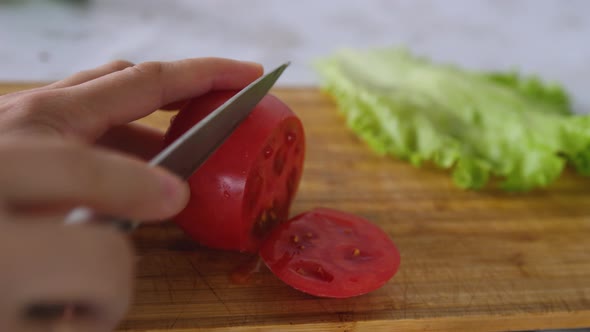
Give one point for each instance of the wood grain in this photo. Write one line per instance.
(471, 261)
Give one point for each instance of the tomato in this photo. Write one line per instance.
(329, 253)
(247, 185)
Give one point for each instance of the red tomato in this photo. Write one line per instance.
(246, 187)
(329, 253)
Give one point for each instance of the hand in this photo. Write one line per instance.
(69, 144)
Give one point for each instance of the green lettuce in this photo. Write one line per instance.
(481, 125)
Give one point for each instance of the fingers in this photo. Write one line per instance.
(137, 91)
(89, 75)
(46, 268)
(79, 78)
(67, 175)
(136, 139)
(85, 105)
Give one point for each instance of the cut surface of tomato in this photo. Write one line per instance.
(328, 253)
(247, 185)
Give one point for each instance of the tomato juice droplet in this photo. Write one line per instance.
(290, 138)
(243, 273)
(268, 152)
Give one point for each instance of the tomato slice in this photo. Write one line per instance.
(329, 253)
(247, 186)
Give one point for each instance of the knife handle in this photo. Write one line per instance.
(84, 215)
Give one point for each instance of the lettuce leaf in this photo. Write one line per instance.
(480, 125)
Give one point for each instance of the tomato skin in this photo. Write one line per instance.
(328, 253)
(234, 184)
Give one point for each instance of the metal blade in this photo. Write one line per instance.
(190, 150)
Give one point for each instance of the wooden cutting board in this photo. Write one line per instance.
(471, 261)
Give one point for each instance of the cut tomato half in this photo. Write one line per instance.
(248, 184)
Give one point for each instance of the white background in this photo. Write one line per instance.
(44, 40)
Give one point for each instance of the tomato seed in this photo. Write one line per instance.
(308, 235)
(295, 238)
(263, 217)
(260, 227)
(356, 252)
(266, 221)
(315, 271)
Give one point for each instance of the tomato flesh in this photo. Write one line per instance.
(247, 185)
(329, 253)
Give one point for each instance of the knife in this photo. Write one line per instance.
(186, 154)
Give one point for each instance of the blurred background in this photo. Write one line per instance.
(45, 40)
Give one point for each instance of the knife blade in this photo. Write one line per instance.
(187, 153)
